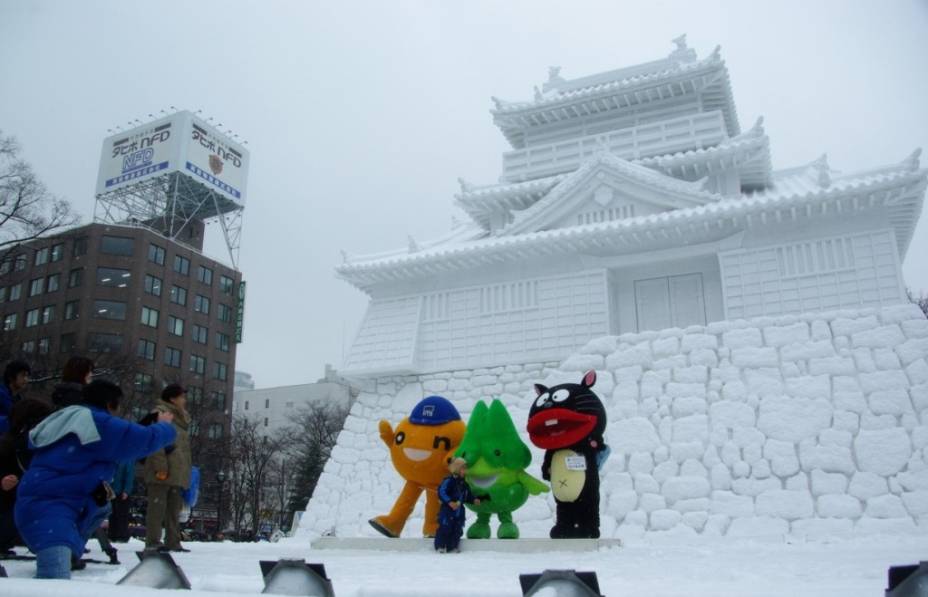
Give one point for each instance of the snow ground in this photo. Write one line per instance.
(660, 567)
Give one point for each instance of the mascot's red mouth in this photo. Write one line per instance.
(558, 428)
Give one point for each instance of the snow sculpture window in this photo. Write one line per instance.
(606, 215)
(816, 257)
(435, 307)
(504, 298)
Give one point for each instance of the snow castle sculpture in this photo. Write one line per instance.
(755, 352)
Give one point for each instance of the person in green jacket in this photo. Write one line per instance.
(167, 473)
(123, 483)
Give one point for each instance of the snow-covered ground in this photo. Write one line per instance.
(661, 567)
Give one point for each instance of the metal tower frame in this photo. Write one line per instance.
(176, 200)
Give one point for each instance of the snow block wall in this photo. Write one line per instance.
(813, 425)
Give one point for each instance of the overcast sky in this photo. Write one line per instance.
(360, 116)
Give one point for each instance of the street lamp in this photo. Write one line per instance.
(221, 477)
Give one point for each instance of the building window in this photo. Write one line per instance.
(44, 345)
(156, 254)
(36, 286)
(146, 349)
(194, 395)
(201, 304)
(98, 342)
(143, 383)
(197, 364)
(175, 326)
(205, 275)
(222, 341)
(68, 343)
(27, 346)
(52, 282)
(41, 256)
(9, 322)
(179, 295)
(79, 246)
(32, 318)
(181, 265)
(48, 314)
(219, 401)
(112, 277)
(224, 313)
(109, 310)
(72, 310)
(214, 431)
(200, 334)
(16, 291)
(220, 372)
(19, 263)
(149, 317)
(172, 357)
(75, 277)
(246, 405)
(265, 421)
(267, 403)
(226, 285)
(57, 252)
(152, 285)
(194, 428)
(116, 245)
(3, 293)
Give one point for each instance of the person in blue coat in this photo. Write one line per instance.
(453, 493)
(76, 450)
(15, 379)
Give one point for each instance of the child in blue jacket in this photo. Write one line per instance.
(62, 495)
(453, 494)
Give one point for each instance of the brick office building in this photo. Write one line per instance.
(148, 309)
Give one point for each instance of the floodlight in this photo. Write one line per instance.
(296, 577)
(908, 581)
(156, 570)
(560, 583)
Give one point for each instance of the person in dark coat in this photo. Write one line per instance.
(14, 460)
(453, 493)
(15, 380)
(76, 450)
(76, 374)
(123, 483)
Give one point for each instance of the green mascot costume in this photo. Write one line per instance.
(496, 461)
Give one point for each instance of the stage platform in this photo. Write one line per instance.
(527, 545)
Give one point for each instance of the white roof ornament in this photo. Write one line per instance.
(344, 255)
(413, 246)
(466, 187)
(538, 94)
(823, 172)
(554, 79)
(911, 163)
(683, 53)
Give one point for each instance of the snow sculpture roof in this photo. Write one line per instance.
(799, 193)
(619, 89)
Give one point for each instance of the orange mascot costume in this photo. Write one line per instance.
(420, 449)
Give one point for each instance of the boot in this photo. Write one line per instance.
(77, 563)
(111, 552)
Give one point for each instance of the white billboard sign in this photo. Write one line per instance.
(181, 143)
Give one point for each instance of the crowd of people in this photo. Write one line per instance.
(68, 467)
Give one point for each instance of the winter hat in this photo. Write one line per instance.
(27, 413)
(434, 410)
(172, 391)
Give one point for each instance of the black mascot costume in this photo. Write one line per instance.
(568, 422)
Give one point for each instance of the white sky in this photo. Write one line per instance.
(360, 116)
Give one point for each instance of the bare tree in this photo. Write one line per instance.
(27, 209)
(251, 458)
(319, 426)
